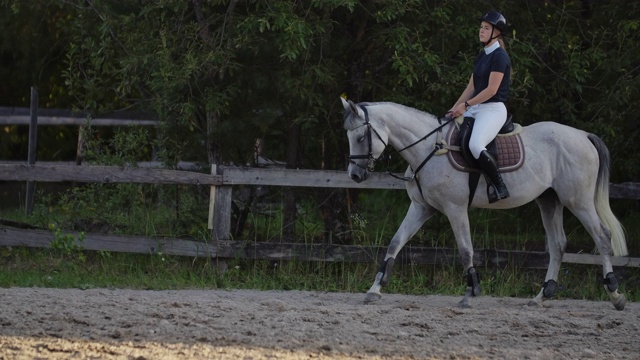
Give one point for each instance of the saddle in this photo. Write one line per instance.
(507, 148)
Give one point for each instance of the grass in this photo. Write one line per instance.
(176, 211)
(28, 267)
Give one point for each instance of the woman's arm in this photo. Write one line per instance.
(495, 78)
(466, 95)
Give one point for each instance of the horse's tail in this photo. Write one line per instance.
(607, 218)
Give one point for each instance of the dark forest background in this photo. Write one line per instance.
(222, 75)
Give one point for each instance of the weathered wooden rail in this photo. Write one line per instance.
(221, 245)
(22, 116)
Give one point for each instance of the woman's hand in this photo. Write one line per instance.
(457, 110)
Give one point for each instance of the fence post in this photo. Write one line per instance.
(219, 208)
(219, 215)
(33, 145)
(80, 147)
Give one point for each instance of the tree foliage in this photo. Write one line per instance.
(225, 73)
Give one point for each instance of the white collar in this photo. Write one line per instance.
(492, 47)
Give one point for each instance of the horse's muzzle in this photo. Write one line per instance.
(357, 173)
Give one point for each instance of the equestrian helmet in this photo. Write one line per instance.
(496, 19)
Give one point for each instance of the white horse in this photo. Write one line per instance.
(564, 167)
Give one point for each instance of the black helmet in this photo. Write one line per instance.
(497, 20)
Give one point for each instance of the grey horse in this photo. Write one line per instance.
(564, 167)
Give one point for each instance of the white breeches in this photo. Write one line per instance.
(490, 117)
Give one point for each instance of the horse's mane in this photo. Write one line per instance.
(409, 109)
(412, 111)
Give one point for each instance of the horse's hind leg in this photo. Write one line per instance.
(602, 237)
(413, 220)
(551, 210)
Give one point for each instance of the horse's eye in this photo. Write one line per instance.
(361, 139)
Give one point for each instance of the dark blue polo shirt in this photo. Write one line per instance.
(498, 60)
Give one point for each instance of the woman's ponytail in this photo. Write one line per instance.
(502, 43)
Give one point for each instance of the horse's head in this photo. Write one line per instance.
(366, 144)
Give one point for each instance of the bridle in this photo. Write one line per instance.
(372, 159)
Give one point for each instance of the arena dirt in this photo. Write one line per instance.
(246, 324)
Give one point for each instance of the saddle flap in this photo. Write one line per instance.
(463, 140)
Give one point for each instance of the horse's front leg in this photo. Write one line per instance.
(551, 210)
(413, 220)
(459, 220)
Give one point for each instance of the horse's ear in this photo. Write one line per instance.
(345, 104)
(350, 106)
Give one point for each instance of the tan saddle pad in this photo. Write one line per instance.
(510, 151)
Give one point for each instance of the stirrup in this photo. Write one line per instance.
(492, 191)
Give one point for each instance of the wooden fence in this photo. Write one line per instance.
(221, 182)
(33, 116)
(59, 117)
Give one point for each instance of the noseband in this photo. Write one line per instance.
(368, 156)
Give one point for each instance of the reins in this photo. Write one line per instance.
(438, 146)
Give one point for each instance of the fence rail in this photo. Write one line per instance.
(22, 116)
(147, 173)
(104, 174)
(222, 181)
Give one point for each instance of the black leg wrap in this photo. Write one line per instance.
(550, 287)
(385, 269)
(611, 282)
(473, 281)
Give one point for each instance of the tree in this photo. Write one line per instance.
(32, 51)
(221, 74)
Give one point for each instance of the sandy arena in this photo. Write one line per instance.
(38, 323)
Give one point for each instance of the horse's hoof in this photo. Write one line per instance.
(534, 303)
(464, 304)
(372, 297)
(620, 303)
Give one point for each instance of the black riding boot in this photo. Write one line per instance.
(489, 166)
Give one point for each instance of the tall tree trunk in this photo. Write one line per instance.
(290, 208)
(213, 147)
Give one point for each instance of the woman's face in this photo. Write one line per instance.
(485, 31)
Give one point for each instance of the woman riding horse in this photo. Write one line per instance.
(485, 96)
